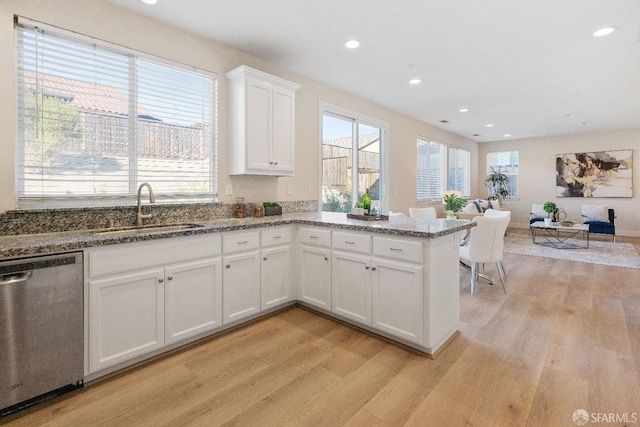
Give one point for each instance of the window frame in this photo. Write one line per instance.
(514, 193)
(466, 191)
(115, 199)
(443, 171)
(326, 108)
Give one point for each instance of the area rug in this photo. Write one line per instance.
(603, 253)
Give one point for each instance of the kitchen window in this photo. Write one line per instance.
(96, 120)
(352, 160)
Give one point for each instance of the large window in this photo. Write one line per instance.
(97, 120)
(507, 163)
(431, 169)
(351, 161)
(460, 171)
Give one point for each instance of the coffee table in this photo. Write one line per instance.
(559, 236)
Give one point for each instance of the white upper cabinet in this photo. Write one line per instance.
(261, 123)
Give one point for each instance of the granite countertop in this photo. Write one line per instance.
(49, 243)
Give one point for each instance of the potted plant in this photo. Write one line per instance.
(550, 208)
(453, 204)
(498, 185)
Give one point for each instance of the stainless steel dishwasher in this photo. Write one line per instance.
(41, 329)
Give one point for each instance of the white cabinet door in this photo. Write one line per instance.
(314, 283)
(283, 132)
(126, 317)
(275, 275)
(193, 299)
(240, 286)
(351, 286)
(397, 299)
(261, 123)
(258, 125)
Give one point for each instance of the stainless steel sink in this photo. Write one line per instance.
(145, 229)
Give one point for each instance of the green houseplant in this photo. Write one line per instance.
(454, 203)
(498, 185)
(550, 208)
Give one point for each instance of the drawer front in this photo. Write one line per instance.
(359, 243)
(275, 236)
(232, 243)
(405, 250)
(314, 236)
(137, 256)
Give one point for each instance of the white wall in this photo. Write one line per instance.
(116, 25)
(537, 175)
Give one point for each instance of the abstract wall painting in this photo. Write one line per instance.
(595, 174)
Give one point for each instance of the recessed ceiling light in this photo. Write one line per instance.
(464, 110)
(507, 135)
(604, 31)
(489, 125)
(150, 1)
(352, 44)
(414, 81)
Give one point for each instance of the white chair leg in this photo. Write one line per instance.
(474, 273)
(502, 275)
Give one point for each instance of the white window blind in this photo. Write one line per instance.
(96, 120)
(430, 170)
(460, 170)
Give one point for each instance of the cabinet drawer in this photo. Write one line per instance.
(232, 243)
(275, 236)
(352, 242)
(314, 236)
(405, 250)
(137, 256)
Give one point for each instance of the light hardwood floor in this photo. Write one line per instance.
(566, 336)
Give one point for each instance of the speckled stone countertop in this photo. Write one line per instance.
(48, 243)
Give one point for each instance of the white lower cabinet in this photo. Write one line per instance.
(144, 296)
(193, 299)
(126, 317)
(241, 289)
(275, 276)
(351, 286)
(397, 299)
(314, 285)
(240, 276)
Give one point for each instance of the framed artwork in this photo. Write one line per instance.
(595, 174)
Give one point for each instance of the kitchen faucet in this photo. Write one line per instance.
(152, 199)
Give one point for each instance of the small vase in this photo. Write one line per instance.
(548, 221)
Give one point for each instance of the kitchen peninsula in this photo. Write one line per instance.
(397, 278)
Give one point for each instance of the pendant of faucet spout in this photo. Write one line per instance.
(152, 199)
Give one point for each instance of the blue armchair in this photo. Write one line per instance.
(602, 227)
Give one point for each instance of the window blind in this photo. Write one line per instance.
(97, 120)
(460, 170)
(430, 171)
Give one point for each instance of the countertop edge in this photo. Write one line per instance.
(60, 242)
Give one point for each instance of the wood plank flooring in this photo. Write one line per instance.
(565, 337)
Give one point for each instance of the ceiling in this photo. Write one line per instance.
(529, 68)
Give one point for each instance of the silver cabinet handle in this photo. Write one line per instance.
(228, 265)
(349, 243)
(7, 279)
(277, 237)
(265, 258)
(313, 237)
(366, 267)
(244, 242)
(373, 268)
(326, 259)
(396, 249)
(170, 278)
(161, 280)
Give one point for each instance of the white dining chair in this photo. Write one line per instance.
(396, 214)
(428, 213)
(485, 245)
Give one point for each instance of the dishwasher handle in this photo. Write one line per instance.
(7, 279)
